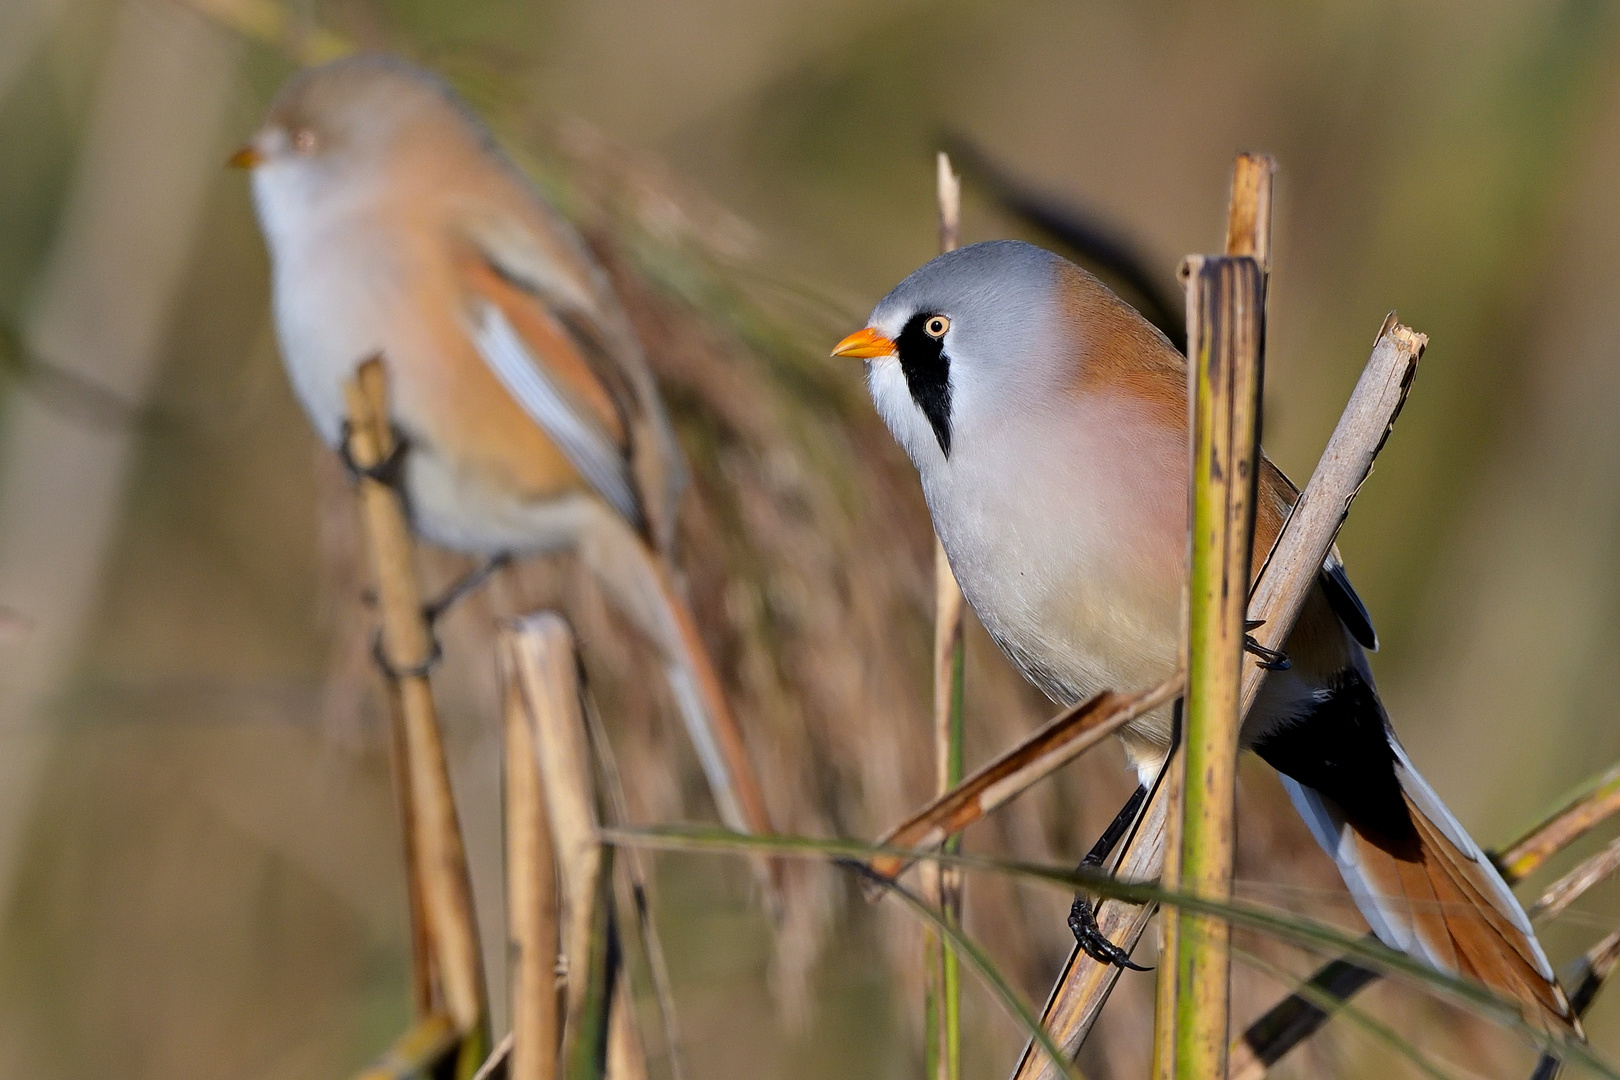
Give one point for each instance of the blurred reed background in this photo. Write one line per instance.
(199, 864)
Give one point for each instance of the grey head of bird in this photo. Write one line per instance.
(969, 341)
(1004, 337)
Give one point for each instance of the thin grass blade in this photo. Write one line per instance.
(1296, 930)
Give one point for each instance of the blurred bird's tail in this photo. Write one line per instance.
(638, 582)
(1432, 893)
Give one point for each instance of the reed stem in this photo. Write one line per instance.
(943, 885)
(531, 889)
(433, 833)
(1225, 330)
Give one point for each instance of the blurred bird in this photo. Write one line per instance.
(1047, 420)
(527, 414)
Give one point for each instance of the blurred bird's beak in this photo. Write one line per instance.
(865, 344)
(246, 158)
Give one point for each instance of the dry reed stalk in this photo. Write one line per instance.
(434, 834)
(942, 885)
(545, 677)
(587, 1028)
(635, 880)
(543, 672)
(1294, 1019)
(1058, 742)
(497, 1062)
(1248, 212)
(1163, 1062)
(1569, 888)
(1248, 233)
(1597, 801)
(1226, 335)
(424, 971)
(626, 1057)
(1595, 967)
(417, 1051)
(1083, 986)
(1284, 581)
(1300, 1015)
(531, 886)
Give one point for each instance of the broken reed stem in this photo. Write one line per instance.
(531, 890)
(433, 832)
(1569, 888)
(617, 811)
(1058, 742)
(1284, 581)
(496, 1064)
(1162, 1066)
(1596, 966)
(942, 885)
(539, 652)
(1225, 331)
(1248, 212)
(542, 668)
(1598, 800)
(424, 973)
(415, 1053)
(1248, 233)
(1299, 1016)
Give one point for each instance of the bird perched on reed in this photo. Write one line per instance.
(1047, 420)
(528, 419)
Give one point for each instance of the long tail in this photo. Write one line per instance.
(639, 584)
(1437, 897)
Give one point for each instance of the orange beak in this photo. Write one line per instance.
(865, 344)
(246, 158)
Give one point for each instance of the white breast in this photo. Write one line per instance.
(338, 285)
(1064, 523)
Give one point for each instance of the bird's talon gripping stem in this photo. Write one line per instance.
(1269, 659)
(389, 471)
(1089, 936)
(1082, 917)
(379, 656)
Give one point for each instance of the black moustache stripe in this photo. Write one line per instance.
(928, 375)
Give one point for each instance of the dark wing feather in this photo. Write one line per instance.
(1342, 598)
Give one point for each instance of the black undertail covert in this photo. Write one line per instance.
(1342, 749)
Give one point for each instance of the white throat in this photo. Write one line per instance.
(891, 395)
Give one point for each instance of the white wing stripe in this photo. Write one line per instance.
(1389, 926)
(590, 451)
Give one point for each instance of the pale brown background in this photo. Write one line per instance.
(198, 873)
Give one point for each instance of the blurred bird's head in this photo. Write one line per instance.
(357, 129)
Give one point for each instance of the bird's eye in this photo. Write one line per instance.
(303, 141)
(936, 326)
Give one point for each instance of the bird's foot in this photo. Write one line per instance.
(389, 471)
(1089, 936)
(379, 656)
(1269, 659)
(432, 612)
(467, 583)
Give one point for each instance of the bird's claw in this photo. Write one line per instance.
(468, 582)
(387, 472)
(379, 656)
(1269, 659)
(1089, 936)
